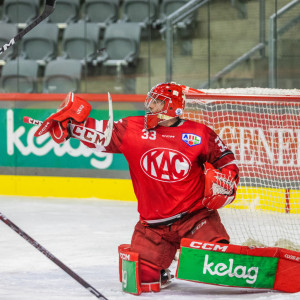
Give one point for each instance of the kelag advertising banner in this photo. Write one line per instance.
(20, 149)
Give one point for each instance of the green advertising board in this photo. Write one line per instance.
(20, 149)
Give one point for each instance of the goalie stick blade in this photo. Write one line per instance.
(110, 123)
(48, 10)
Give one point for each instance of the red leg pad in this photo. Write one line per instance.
(147, 276)
(288, 272)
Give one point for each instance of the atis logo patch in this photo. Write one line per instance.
(191, 139)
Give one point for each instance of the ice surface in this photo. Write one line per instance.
(84, 235)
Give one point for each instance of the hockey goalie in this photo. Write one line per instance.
(181, 172)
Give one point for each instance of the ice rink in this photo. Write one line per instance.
(84, 235)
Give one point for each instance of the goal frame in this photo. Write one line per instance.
(268, 99)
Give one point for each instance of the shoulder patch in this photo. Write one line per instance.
(191, 139)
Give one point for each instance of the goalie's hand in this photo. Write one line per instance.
(60, 131)
(73, 109)
(220, 187)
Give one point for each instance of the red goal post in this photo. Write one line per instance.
(262, 128)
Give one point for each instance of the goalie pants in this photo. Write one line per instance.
(157, 245)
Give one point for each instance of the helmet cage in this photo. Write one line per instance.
(153, 97)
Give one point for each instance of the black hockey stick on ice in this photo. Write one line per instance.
(39, 247)
(48, 10)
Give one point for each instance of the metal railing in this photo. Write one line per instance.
(172, 20)
(260, 47)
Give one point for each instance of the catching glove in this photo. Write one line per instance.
(220, 187)
(72, 110)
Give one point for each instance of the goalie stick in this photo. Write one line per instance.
(87, 134)
(109, 127)
(39, 247)
(48, 10)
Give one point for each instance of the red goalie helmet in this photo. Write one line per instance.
(165, 101)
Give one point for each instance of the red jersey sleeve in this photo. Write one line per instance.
(219, 155)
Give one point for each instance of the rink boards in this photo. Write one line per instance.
(248, 198)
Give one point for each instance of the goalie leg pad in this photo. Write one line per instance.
(132, 270)
(239, 266)
(288, 272)
(129, 271)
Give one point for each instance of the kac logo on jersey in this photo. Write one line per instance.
(165, 165)
(191, 139)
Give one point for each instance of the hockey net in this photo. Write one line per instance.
(262, 128)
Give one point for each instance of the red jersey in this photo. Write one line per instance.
(166, 163)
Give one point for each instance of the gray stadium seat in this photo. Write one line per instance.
(62, 76)
(80, 41)
(8, 31)
(19, 76)
(143, 12)
(66, 11)
(41, 43)
(20, 11)
(102, 12)
(121, 44)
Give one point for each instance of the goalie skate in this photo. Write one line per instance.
(166, 278)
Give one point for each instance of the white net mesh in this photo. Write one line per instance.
(262, 128)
